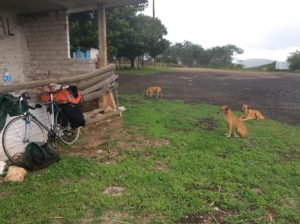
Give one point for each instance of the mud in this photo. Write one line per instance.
(276, 95)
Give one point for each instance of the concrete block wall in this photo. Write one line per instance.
(14, 51)
(47, 35)
(37, 45)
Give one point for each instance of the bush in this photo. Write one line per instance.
(294, 60)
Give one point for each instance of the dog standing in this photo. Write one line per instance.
(250, 114)
(150, 91)
(233, 123)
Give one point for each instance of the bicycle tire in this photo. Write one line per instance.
(64, 131)
(13, 138)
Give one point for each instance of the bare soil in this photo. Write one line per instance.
(110, 142)
(276, 95)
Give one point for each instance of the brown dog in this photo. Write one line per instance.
(153, 90)
(233, 123)
(250, 114)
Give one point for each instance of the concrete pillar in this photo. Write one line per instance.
(102, 35)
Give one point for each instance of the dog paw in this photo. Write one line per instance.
(228, 136)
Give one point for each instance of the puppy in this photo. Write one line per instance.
(153, 90)
(233, 123)
(250, 114)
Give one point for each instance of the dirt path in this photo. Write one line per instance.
(277, 95)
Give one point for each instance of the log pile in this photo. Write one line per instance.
(99, 88)
(100, 114)
(92, 86)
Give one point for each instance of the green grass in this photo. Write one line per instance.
(145, 71)
(247, 178)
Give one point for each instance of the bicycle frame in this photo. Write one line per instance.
(29, 116)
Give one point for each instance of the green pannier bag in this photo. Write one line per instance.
(10, 105)
(17, 108)
(39, 155)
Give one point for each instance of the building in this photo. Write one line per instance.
(34, 37)
(34, 40)
(282, 65)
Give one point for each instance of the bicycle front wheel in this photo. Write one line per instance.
(64, 131)
(16, 136)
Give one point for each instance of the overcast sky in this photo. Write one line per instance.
(262, 28)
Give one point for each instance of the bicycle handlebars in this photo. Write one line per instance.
(25, 97)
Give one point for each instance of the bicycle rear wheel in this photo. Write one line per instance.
(14, 140)
(65, 132)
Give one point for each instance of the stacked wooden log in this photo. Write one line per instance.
(64, 80)
(92, 85)
(99, 86)
(100, 114)
(94, 88)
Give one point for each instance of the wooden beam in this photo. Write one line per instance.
(87, 83)
(101, 117)
(99, 85)
(92, 114)
(102, 35)
(97, 94)
(64, 80)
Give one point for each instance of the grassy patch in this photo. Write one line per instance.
(200, 173)
(145, 71)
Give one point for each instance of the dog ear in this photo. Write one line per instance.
(226, 108)
(248, 107)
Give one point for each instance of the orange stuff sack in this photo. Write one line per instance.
(62, 96)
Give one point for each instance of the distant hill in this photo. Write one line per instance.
(255, 62)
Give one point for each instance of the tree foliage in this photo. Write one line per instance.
(131, 35)
(190, 54)
(222, 56)
(83, 31)
(294, 60)
(128, 34)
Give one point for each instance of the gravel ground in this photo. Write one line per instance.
(276, 95)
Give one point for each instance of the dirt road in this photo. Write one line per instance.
(277, 95)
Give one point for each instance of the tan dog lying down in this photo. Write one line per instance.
(250, 114)
(234, 124)
(150, 91)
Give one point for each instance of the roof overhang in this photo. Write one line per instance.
(35, 6)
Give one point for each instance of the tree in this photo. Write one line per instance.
(294, 60)
(158, 48)
(190, 54)
(187, 53)
(129, 35)
(132, 36)
(119, 29)
(223, 56)
(84, 26)
(150, 34)
(83, 31)
(193, 54)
